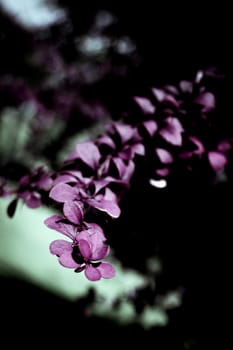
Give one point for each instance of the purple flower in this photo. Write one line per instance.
(217, 158)
(88, 152)
(31, 187)
(145, 105)
(120, 146)
(172, 131)
(85, 251)
(90, 196)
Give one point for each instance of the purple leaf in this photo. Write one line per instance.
(224, 146)
(66, 260)
(93, 234)
(88, 152)
(85, 249)
(106, 140)
(120, 165)
(106, 270)
(92, 273)
(126, 132)
(165, 97)
(73, 212)
(162, 172)
(217, 160)
(65, 178)
(109, 207)
(31, 199)
(56, 223)
(172, 131)
(206, 100)
(159, 94)
(151, 127)
(59, 246)
(138, 148)
(129, 170)
(186, 86)
(100, 184)
(200, 148)
(165, 157)
(62, 193)
(45, 182)
(146, 106)
(100, 253)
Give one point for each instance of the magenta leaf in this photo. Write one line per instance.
(57, 223)
(165, 157)
(207, 101)
(85, 249)
(109, 207)
(172, 131)
(88, 152)
(217, 160)
(92, 273)
(73, 212)
(66, 260)
(106, 270)
(59, 246)
(100, 253)
(145, 105)
(151, 127)
(62, 193)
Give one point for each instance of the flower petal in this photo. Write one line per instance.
(106, 141)
(217, 160)
(186, 86)
(162, 172)
(95, 238)
(224, 146)
(106, 270)
(206, 100)
(126, 132)
(165, 97)
(150, 126)
(59, 246)
(45, 182)
(111, 208)
(62, 193)
(172, 131)
(165, 157)
(56, 223)
(120, 165)
(33, 200)
(84, 248)
(66, 260)
(100, 253)
(92, 273)
(73, 212)
(65, 178)
(94, 230)
(88, 152)
(145, 105)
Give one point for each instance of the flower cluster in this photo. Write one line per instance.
(31, 189)
(92, 179)
(174, 126)
(178, 124)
